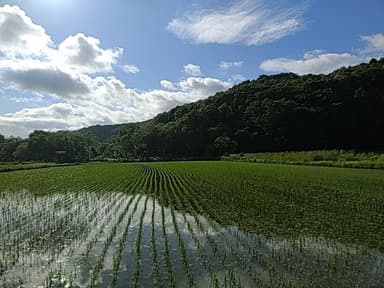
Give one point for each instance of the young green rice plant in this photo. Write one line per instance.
(137, 273)
(182, 249)
(252, 225)
(171, 279)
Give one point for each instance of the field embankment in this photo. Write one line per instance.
(8, 167)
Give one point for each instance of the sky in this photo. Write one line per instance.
(67, 64)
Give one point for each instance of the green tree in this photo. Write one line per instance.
(225, 145)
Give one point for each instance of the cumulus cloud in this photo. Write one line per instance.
(84, 54)
(132, 69)
(45, 81)
(375, 42)
(19, 35)
(203, 87)
(251, 22)
(59, 116)
(131, 106)
(311, 63)
(167, 85)
(192, 69)
(320, 62)
(78, 74)
(224, 65)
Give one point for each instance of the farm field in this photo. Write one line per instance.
(192, 224)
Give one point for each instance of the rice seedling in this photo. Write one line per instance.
(196, 224)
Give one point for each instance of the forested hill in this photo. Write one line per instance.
(102, 132)
(343, 110)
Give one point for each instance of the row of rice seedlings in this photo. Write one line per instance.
(233, 245)
(59, 230)
(107, 245)
(213, 244)
(237, 251)
(182, 249)
(131, 188)
(276, 258)
(120, 276)
(178, 194)
(122, 245)
(35, 235)
(116, 246)
(153, 242)
(273, 258)
(77, 253)
(29, 212)
(138, 247)
(98, 228)
(207, 225)
(12, 214)
(167, 256)
(75, 233)
(212, 225)
(35, 265)
(155, 254)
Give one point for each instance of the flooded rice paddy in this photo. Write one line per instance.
(115, 239)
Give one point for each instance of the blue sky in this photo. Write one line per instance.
(65, 64)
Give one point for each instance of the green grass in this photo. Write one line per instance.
(330, 158)
(7, 167)
(251, 223)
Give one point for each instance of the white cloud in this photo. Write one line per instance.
(311, 63)
(84, 54)
(320, 62)
(375, 42)
(224, 65)
(19, 35)
(203, 87)
(59, 116)
(192, 69)
(71, 75)
(167, 85)
(132, 69)
(45, 80)
(130, 106)
(251, 22)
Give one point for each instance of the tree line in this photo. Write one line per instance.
(285, 112)
(341, 110)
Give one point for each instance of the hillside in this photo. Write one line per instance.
(341, 110)
(102, 132)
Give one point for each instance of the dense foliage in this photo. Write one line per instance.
(63, 146)
(274, 113)
(341, 110)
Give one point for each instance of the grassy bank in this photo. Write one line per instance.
(8, 167)
(330, 158)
